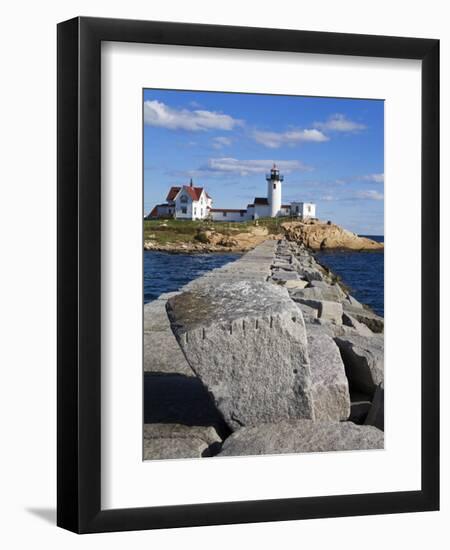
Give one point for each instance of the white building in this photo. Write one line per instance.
(186, 203)
(227, 215)
(193, 203)
(303, 210)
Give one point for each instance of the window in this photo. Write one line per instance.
(242, 214)
(184, 199)
(195, 211)
(201, 212)
(274, 185)
(184, 210)
(224, 214)
(309, 209)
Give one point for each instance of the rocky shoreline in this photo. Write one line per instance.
(314, 234)
(268, 354)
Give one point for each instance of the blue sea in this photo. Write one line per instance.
(363, 272)
(165, 272)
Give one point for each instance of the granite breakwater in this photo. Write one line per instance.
(267, 354)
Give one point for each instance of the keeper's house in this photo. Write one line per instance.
(184, 203)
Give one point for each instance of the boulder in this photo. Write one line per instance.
(331, 398)
(326, 286)
(330, 293)
(207, 433)
(375, 416)
(363, 358)
(330, 311)
(164, 441)
(277, 268)
(326, 311)
(295, 285)
(309, 312)
(302, 436)
(373, 321)
(344, 330)
(285, 276)
(349, 321)
(247, 343)
(310, 274)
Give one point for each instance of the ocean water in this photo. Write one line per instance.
(363, 272)
(165, 272)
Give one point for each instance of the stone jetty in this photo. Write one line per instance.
(267, 354)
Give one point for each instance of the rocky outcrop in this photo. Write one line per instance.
(302, 436)
(246, 341)
(321, 236)
(314, 234)
(213, 240)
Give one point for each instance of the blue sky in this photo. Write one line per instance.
(331, 151)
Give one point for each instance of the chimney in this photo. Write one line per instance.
(191, 184)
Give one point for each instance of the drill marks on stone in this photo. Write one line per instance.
(253, 346)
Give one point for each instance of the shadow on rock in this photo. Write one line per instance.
(175, 398)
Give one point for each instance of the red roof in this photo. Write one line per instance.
(153, 213)
(173, 192)
(193, 192)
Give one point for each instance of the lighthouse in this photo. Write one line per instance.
(274, 180)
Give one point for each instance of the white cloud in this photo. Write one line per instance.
(339, 123)
(159, 114)
(221, 141)
(327, 198)
(273, 140)
(245, 167)
(375, 178)
(370, 195)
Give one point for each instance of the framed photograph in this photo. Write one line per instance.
(248, 259)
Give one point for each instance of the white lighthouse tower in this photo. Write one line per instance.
(274, 180)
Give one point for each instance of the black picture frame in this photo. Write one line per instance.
(79, 281)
